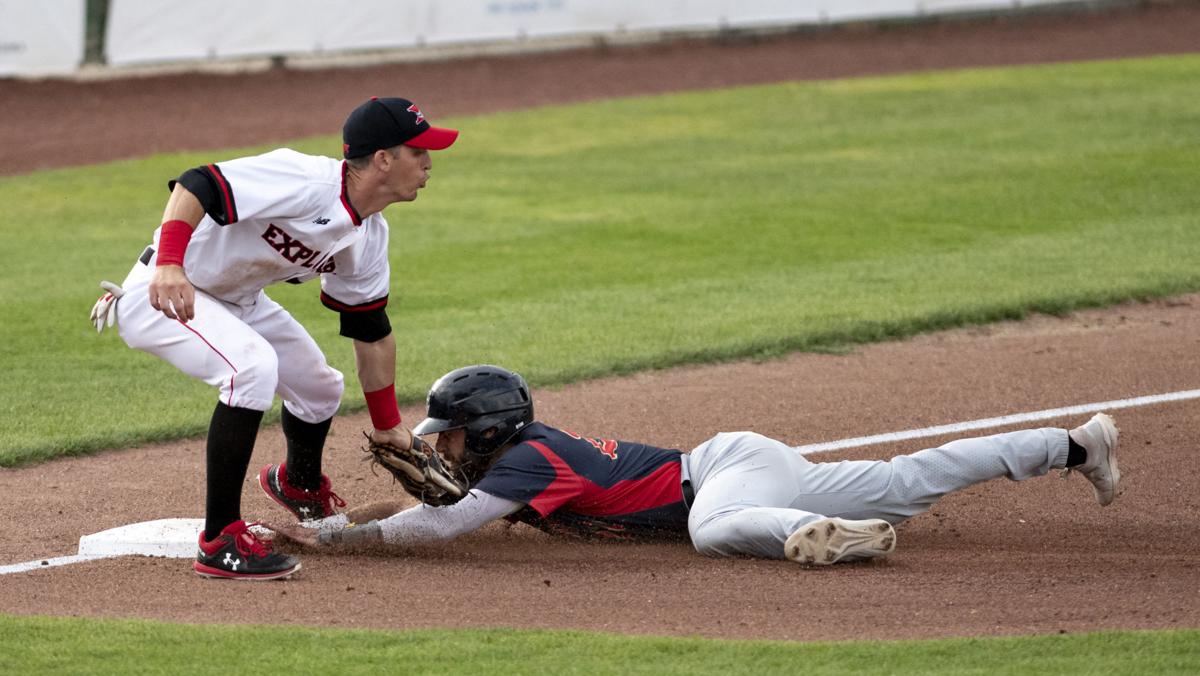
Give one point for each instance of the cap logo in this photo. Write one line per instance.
(417, 111)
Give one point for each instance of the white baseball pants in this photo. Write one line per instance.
(752, 492)
(249, 353)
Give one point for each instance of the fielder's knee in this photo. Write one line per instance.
(253, 384)
(320, 397)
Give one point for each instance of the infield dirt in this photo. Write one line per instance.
(1001, 558)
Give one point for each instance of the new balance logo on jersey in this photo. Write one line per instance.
(295, 251)
(321, 221)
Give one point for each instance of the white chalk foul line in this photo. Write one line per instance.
(984, 423)
(43, 563)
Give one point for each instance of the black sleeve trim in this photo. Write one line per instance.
(337, 305)
(366, 326)
(209, 186)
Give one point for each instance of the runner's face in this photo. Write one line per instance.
(452, 444)
(408, 172)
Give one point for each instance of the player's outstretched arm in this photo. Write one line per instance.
(417, 525)
(307, 532)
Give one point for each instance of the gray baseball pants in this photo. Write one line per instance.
(752, 492)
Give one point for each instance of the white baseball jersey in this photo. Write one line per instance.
(288, 219)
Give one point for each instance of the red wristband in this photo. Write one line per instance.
(385, 414)
(173, 239)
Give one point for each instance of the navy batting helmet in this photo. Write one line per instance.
(479, 398)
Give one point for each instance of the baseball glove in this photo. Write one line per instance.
(421, 471)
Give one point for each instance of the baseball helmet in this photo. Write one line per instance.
(478, 398)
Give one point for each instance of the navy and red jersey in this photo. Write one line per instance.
(590, 487)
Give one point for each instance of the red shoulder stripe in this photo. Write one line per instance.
(231, 215)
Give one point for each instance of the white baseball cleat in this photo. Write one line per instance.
(1099, 437)
(831, 540)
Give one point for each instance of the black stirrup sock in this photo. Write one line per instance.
(231, 436)
(305, 443)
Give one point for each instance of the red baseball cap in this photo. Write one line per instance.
(383, 123)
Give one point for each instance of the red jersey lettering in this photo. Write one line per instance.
(606, 446)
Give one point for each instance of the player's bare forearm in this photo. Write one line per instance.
(171, 292)
(376, 362)
(376, 365)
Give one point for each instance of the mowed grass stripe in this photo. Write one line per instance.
(36, 645)
(579, 241)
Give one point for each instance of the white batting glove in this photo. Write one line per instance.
(104, 312)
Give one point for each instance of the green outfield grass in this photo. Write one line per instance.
(579, 241)
(35, 645)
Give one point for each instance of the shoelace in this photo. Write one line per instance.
(323, 495)
(248, 544)
(328, 496)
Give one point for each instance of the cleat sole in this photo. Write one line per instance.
(830, 541)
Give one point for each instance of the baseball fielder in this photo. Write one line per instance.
(195, 299)
(738, 493)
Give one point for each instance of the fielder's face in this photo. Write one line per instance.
(452, 444)
(407, 172)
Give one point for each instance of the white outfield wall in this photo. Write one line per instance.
(41, 38)
(46, 37)
(164, 31)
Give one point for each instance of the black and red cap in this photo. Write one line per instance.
(383, 123)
